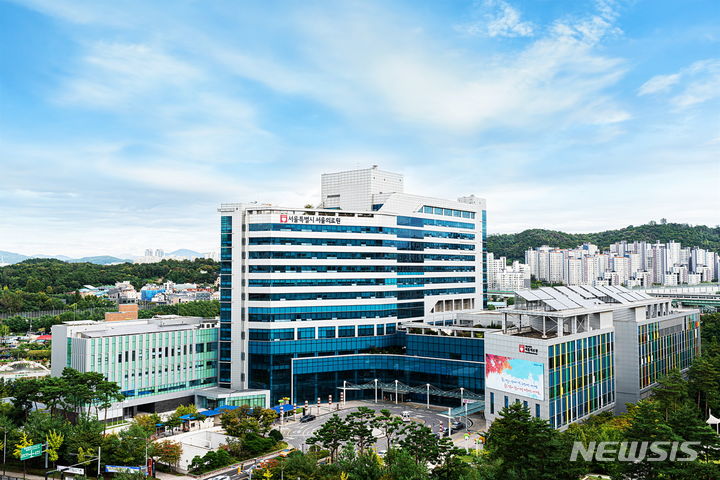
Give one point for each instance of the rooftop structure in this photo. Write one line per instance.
(570, 352)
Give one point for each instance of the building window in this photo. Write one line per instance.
(492, 402)
(537, 410)
(507, 401)
(306, 333)
(346, 331)
(326, 332)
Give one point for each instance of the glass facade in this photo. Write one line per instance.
(668, 348)
(581, 377)
(320, 376)
(225, 337)
(448, 347)
(153, 363)
(403, 265)
(270, 360)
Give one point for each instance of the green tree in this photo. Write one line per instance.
(25, 393)
(241, 421)
(423, 445)
(671, 392)
(86, 433)
(526, 447)
(331, 435)
(648, 424)
(360, 426)
(704, 383)
(390, 425)
(401, 465)
(52, 392)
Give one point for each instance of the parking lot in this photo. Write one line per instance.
(296, 433)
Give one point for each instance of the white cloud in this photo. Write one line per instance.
(697, 83)
(659, 83)
(114, 74)
(426, 83)
(499, 20)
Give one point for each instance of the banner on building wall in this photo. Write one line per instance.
(515, 376)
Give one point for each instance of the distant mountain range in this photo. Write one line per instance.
(8, 258)
(185, 253)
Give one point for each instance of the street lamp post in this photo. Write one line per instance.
(396, 392)
(428, 396)
(449, 421)
(344, 399)
(466, 420)
(376, 380)
(4, 449)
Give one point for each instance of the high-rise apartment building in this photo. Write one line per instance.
(304, 282)
(504, 277)
(636, 264)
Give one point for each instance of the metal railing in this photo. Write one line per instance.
(422, 389)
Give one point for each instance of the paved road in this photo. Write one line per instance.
(296, 433)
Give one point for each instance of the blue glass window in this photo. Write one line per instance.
(282, 334)
(326, 332)
(366, 330)
(346, 331)
(306, 333)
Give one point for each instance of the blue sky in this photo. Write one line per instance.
(124, 124)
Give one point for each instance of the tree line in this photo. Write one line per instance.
(39, 275)
(514, 245)
(19, 324)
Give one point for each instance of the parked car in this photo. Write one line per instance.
(307, 418)
(456, 426)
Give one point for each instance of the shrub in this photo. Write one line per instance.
(276, 435)
(255, 444)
